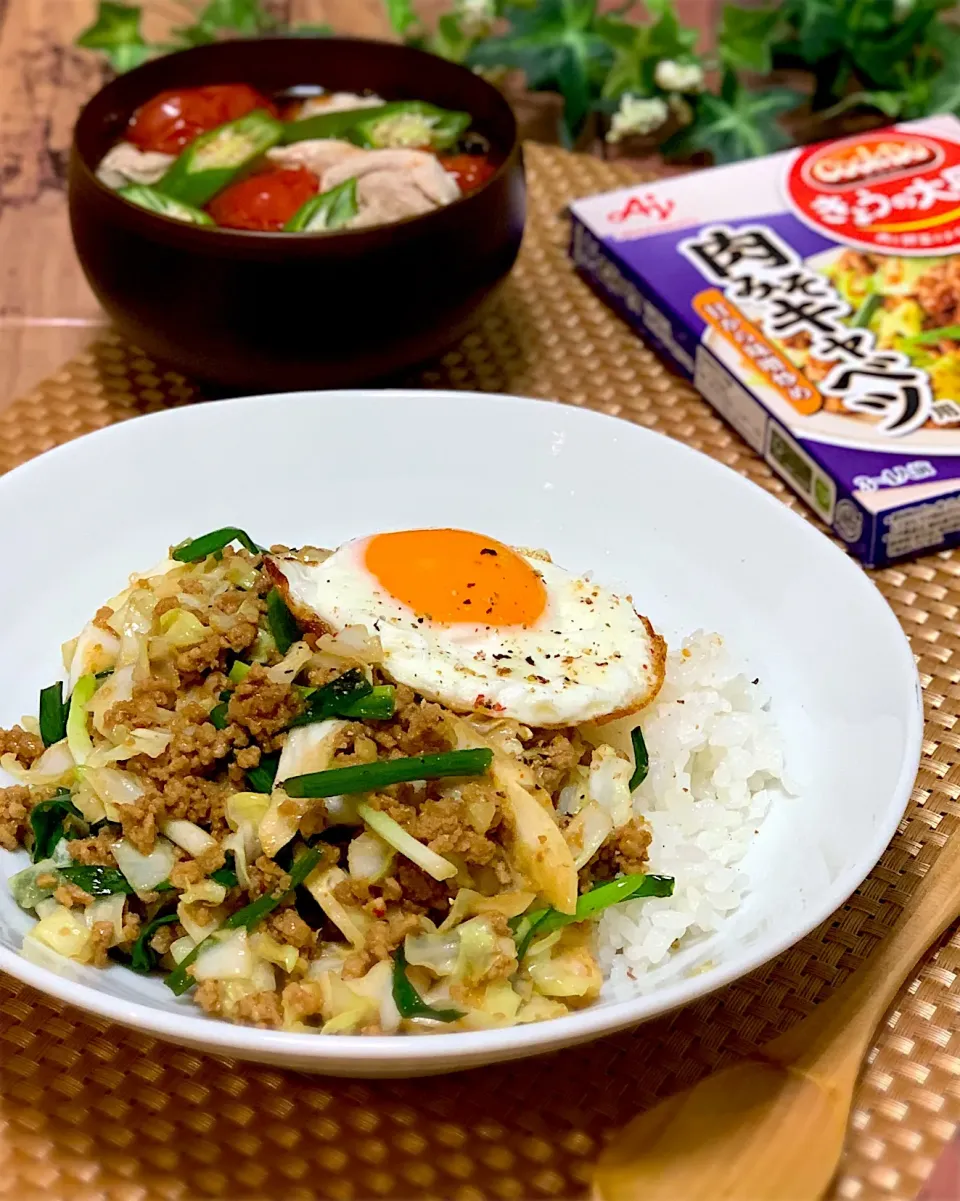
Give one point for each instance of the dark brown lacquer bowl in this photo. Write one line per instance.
(269, 312)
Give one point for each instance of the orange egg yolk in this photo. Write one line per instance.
(453, 576)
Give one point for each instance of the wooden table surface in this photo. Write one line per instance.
(47, 312)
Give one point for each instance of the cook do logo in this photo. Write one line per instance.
(892, 191)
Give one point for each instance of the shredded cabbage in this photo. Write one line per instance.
(26, 891)
(282, 954)
(369, 857)
(63, 931)
(93, 651)
(78, 736)
(189, 836)
(610, 784)
(290, 666)
(244, 807)
(144, 872)
(436, 951)
(55, 767)
(392, 832)
(107, 909)
(208, 891)
(182, 628)
(352, 922)
(227, 957)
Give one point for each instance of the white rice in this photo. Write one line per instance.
(716, 763)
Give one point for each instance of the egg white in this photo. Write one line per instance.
(588, 658)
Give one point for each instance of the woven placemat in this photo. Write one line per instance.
(89, 1111)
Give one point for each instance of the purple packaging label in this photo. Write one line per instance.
(813, 298)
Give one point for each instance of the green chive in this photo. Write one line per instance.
(218, 716)
(53, 714)
(261, 777)
(350, 695)
(143, 958)
(408, 1001)
(640, 758)
(283, 625)
(868, 306)
(96, 879)
(238, 672)
(179, 980)
(378, 705)
(600, 897)
(208, 544)
(367, 777)
(52, 821)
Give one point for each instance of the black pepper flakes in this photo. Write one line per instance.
(488, 550)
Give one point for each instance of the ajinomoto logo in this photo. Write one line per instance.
(894, 191)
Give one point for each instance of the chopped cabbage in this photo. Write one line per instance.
(436, 951)
(535, 844)
(246, 807)
(392, 832)
(369, 857)
(107, 909)
(26, 891)
(181, 628)
(189, 836)
(282, 954)
(227, 957)
(78, 736)
(351, 922)
(144, 872)
(64, 931)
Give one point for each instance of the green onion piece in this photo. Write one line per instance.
(334, 699)
(226, 875)
(283, 625)
(930, 337)
(377, 705)
(96, 879)
(868, 306)
(324, 213)
(238, 672)
(209, 544)
(366, 777)
(143, 958)
(52, 821)
(600, 897)
(261, 777)
(640, 758)
(53, 714)
(218, 716)
(408, 1001)
(179, 979)
(163, 886)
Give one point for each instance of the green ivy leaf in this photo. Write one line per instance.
(306, 30)
(401, 15)
(556, 45)
(817, 26)
(236, 16)
(737, 124)
(131, 54)
(115, 25)
(638, 49)
(746, 37)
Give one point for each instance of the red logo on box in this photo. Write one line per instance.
(891, 191)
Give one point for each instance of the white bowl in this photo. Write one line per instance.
(695, 544)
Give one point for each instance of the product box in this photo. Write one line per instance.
(813, 297)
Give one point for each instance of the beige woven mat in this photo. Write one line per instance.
(90, 1111)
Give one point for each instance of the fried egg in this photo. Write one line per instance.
(477, 626)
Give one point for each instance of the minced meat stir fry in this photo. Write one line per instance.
(259, 813)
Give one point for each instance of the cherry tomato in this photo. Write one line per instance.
(469, 170)
(172, 120)
(266, 200)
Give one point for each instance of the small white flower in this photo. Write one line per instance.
(680, 108)
(678, 77)
(476, 16)
(902, 9)
(637, 115)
